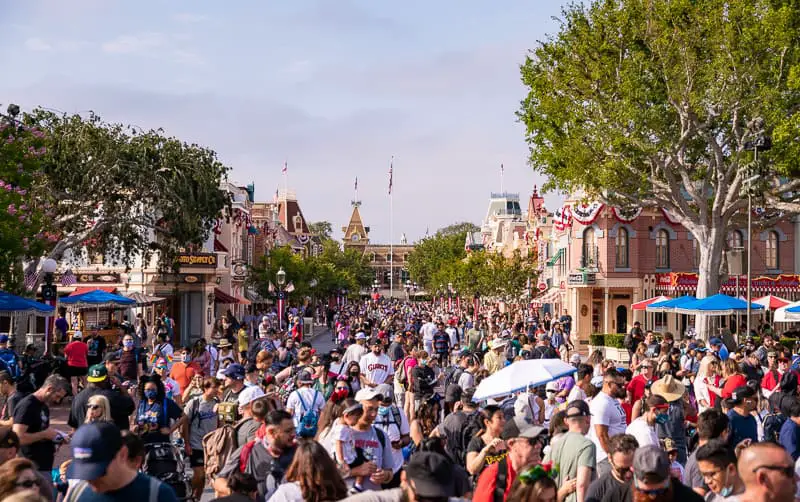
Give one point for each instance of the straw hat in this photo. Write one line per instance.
(668, 388)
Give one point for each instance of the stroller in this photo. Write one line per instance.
(166, 462)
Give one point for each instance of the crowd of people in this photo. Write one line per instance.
(388, 415)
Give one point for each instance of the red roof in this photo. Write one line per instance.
(85, 289)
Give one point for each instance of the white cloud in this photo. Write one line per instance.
(188, 58)
(131, 44)
(37, 44)
(189, 18)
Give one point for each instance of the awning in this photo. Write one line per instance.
(224, 298)
(242, 301)
(553, 295)
(554, 259)
(219, 247)
(85, 289)
(642, 305)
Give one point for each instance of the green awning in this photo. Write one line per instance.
(554, 259)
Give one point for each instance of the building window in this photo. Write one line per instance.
(696, 253)
(735, 239)
(298, 223)
(662, 249)
(772, 257)
(622, 248)
(589, 248)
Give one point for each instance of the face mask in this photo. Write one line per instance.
(127, 344)
(423, 362)
(726, 490)
(150, 394)
(187, 358)
(662, 418)
(383, 410)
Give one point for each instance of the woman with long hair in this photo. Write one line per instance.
(595, 358)
(18, 475)
(734, 377)
(98, 409)
(487, 447)
(311, 477)
(353, 376)
(426, 420)
(202, 357)
(157, 415)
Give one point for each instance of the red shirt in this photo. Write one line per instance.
(771, 380)
(183, 373)
(76, 352)
(731, 384)
(711, 395)
(636, 387)
(487, 482)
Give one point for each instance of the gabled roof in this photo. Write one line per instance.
(291, 208)
(355, 227)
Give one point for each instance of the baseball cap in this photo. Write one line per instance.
(452, 393)
(551, 386)
(375, 341)
(432, 475)
(250, 394)
(715, 341)
(77, 334)
(386, 392)
(575, 358)
(367, 394)
(3, 338)
(234, 371)
(650, 462)
(161, 363)
(111, 357)
(8, 438)
(578, 408)
(97, 373)
(94, 447)
(517, 427)
(304, 377)
(361, 336)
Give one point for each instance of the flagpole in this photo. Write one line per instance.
(286, 194)
(391, 229)
(502, 172)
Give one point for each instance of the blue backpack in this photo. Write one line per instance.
(9, 359)
(307, 428)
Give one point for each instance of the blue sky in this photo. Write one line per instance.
(336, 87)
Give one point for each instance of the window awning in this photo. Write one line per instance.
(219, 247)
(85, 289)
(554, 259)
(224, 298)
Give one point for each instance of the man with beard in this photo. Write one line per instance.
(376, 368)
(266, 459)
(651, 481)
(767, 472)
(32, 423)
(621, 450)
(608, 417)
(717, 464)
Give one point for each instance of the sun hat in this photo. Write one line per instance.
(668, 388)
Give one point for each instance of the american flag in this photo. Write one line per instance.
(356, 184)
(289, 288)
(276, 195)
(502, 169)
(31, 280)
(285, 167)
(68, 279)
(391, 174)
(271, 287)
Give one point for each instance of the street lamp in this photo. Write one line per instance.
(49, 295)
(280, 278)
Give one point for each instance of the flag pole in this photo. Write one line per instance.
(286, 194)
(391, 229)
(502, 172)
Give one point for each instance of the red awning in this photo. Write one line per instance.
(85, 289)
(243, 301)
(219, 247)
(642, 305)
(224, 298)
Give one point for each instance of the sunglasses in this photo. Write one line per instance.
(28, 483)
(93, 407)
(654, 492)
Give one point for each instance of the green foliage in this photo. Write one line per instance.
(432, 254)
(613, 340)
(322, 229)
(333, 270)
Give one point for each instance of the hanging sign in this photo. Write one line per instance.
(585, 214)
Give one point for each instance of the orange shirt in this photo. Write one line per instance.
(182, 374)
(487, 482)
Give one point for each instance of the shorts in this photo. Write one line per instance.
(77, 372)
(196, 459)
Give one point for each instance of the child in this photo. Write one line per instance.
(675, 468)
(344, 451)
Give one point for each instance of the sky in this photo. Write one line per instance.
(335, 88)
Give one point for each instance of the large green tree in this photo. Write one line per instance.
(425, 263)
(121, 192)
(321, 229)
(657, 103)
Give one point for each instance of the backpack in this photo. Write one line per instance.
(459, 447)
(307, 428)
(9, 358)
(402, 374)
(396, 418)
(218, 445)
(773, 422)
(452, 375)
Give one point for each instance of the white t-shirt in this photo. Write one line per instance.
(394, 431)
(353, 353)
(453, 333)
(287, 492)
(575, 394)
(376, 369)
(342, 432)
(428, 330)
(466, 380)
(313, 399)
(605, 411)
(644, 433)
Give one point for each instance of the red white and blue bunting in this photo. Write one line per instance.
(562, 218)
(586, 214)
(626, 214)
(672, 219)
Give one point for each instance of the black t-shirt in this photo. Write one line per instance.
(623, 492)
(599, 487)
(151, 418)
(477, 444)
(36, 415)
(97, 347)
(423, 378)
(452, 428)
(138, 489)
(122, 406)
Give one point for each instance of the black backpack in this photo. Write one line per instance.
(458, 446)
(773, 422)
(452, 375)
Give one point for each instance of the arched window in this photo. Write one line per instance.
(735, 239)
(589, 248)
(622, 248)
(662, 249)
(772, 257)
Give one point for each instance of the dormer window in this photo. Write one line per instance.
(298, 223)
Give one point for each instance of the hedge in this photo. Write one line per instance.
(614, 340)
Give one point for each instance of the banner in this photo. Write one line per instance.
(687, 281)
(585, 214)
(670, 217)
(628, 214)
(562, 218)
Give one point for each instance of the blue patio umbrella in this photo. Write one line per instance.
(11, 304)
(98, 298)
(670, 305)
(793, 310)
(718, 304)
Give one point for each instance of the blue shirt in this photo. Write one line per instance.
(790, 438)
(742, 427)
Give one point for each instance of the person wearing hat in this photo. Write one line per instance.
(494, 360)
(574, 453)
(380, 469)
(544, 350)
(304, 399)
(524, 442)
(394, 424)
(122, 406)
(227, 356)
(743, 425)
(99, 462)
(376, 367)
(652, 480)
(719, 349)
(233, 384)
(356, 350)
(673, 391)
(675, 468)
(644, 427)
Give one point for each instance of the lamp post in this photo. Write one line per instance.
(49, 296)
(450, 292)
(410, 287)
(375, 286)
(280, 279)
(762, 142)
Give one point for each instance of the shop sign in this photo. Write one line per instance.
(197, 260)
(239, 271)
(191, 279)
(581, 279)
(689, 280)
(110, 277)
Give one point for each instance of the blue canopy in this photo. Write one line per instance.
(10, 304)
(718, 304)
(793, 310)
(670, 305)
(97, 298)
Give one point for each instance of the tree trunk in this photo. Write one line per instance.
(711, 242)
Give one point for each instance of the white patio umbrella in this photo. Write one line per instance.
(783, 315)
(521, 375)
